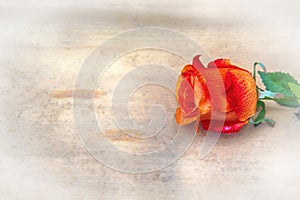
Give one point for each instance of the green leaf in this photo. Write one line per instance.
(261, 115)
(277, 82)
(295, 89)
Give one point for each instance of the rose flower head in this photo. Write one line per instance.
(220, 92)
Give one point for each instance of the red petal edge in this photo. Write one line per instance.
(227, 128)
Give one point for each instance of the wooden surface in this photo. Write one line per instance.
(44, 45)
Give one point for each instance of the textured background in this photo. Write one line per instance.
(44, 44)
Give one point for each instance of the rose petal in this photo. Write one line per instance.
(228, 127)
(223, 63)
(241, 94)
(216, 80)
(198, 64)
(182, 119)
(185, 96)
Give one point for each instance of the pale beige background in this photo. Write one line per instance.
(43, 45)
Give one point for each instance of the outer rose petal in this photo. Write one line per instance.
(182, 119)
(202, 97)
(228, 127)
(190, 93)
(223, 63)
(242, 94)
(187, 111)
(219, 63)
(185, 96)
(216, 79)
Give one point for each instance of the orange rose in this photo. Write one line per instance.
(232, 95)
